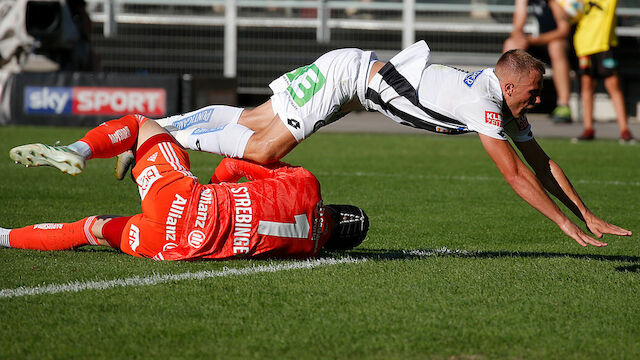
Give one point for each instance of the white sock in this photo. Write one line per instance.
(210, 117)
(81, 148)
(230, 140)
(4, 238)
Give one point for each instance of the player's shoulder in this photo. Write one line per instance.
(484, 84)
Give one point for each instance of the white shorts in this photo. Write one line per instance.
(310, 97)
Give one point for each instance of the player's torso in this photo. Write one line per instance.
(277, 217)
(463, 96)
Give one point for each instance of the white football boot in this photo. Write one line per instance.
(4, 238)
(61, 157)
(123, 162)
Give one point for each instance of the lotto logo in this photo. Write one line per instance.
(94, 100)
(293, 123)
(493, 118)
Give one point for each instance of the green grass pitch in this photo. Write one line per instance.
(455, 266)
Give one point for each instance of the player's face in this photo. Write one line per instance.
(524, 93)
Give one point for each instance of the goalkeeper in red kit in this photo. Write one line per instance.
(278, 213)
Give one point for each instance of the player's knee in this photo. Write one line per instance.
(263, 150)
(108, 229)
(149, 129)
(266, 155)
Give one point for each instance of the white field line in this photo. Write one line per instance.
(462, 178)
(433, 252)
(159, 279)
(201, 275)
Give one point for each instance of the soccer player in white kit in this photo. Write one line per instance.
(410, 90)
(340, 81)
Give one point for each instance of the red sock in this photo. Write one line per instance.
(51, 236)
(113, 137)
(112, 230)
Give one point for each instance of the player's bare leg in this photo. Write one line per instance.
(612, 85)
(588, 85)
(270, 144)
(561, 68)
(147, 130)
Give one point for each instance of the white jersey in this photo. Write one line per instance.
(312, 96)
(442, 99)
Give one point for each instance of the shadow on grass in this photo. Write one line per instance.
(387, 254)
(98, 249)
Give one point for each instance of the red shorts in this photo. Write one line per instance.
(165, 185)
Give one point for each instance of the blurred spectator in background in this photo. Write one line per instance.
(554, 29)
(80, 57)
(595, 41)
(59, 31)
(352, 11)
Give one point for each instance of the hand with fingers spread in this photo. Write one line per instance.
(600, 227)
(574, 232)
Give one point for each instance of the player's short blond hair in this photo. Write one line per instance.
(516, 62)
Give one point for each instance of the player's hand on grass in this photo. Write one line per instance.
(600, 227)
(574, 232)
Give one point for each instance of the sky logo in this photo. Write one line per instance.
(47, 100)
(88, 100)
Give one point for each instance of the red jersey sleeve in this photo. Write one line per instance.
(232, 170)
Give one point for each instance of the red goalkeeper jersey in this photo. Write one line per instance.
(279, 213)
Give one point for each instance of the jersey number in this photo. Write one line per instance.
(299, 230)
(305, 82)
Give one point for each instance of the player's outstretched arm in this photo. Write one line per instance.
(232, 170)
(557, 183)
(528, 187)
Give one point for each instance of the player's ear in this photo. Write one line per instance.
(508, 88)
